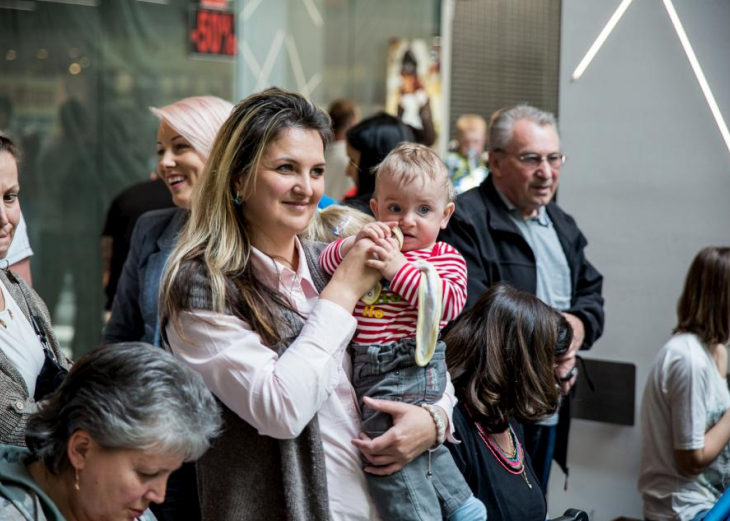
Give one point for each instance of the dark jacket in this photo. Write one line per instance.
(124, 212)
(495, 250)
(134, 313)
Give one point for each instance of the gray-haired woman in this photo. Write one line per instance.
(104, 444)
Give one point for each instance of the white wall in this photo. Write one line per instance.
(648, 180)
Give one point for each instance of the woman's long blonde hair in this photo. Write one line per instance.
(215, 238)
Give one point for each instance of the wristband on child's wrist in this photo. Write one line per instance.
(439, 421)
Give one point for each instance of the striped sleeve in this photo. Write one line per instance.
(331, 257)
(451, 267)
(406, 281)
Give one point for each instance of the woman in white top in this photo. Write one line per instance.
(24, 319)
(246, 305)
(685, 414)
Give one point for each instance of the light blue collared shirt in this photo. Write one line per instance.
(553, 273)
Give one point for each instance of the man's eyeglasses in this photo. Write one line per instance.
(555, 160)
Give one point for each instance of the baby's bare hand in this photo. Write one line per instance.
(373, 231)
(386, 257)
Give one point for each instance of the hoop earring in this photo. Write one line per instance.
(238, 200)
(76, 485)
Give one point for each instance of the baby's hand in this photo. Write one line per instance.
(386, 257)
(374, 231)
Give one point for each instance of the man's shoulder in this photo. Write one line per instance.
(472, 203)
(556, 211)
(132, 196)
(564, 223)
(130, 204)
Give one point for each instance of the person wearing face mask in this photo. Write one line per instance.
(105, 442)
(27, 341)
(184, 141)
(466, 165)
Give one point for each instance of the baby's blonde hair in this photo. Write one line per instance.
(410, 161)
(335, 222)
(467, 122)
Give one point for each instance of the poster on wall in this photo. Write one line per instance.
(414, 86)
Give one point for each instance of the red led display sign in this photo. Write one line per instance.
(212, 33)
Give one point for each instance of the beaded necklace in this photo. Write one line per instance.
(513, 463)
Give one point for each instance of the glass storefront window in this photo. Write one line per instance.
(76, 80)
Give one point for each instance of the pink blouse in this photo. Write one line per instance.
(280, 395)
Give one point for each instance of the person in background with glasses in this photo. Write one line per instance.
(510, 229)
(30, 356)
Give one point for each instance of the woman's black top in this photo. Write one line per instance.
(506, 496)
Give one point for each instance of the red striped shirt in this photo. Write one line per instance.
(395, 315)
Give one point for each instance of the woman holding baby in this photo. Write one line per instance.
(246, 304)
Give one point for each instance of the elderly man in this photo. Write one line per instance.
(509, 229)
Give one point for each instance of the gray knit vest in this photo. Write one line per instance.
(247, 476)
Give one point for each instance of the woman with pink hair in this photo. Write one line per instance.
(184, 140)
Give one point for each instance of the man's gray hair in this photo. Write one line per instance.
(503, 122)
(126, 396)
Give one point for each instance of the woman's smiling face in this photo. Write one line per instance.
(288, 186)
(178, 164)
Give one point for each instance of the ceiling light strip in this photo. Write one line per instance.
(586, 61)
(698, 72)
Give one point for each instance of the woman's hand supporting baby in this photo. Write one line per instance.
(412, 434)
